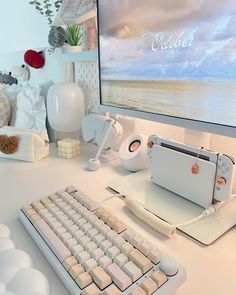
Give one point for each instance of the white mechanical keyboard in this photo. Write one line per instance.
(93, 252)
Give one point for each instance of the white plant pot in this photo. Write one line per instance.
(69, 49)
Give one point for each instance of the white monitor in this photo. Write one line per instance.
(170, 61)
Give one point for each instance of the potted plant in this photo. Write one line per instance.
(74, 38)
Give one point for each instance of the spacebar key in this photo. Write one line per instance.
(56, 245)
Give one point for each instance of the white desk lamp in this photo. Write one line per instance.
(94, 163)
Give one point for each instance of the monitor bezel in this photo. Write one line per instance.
(201, 126)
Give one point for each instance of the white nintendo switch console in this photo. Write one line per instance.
(199, 175)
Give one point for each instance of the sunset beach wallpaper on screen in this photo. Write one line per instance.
(174, 58)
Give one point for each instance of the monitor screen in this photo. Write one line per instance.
(170, 61)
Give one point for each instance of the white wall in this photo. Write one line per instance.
(21, 26)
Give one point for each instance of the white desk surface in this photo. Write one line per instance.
(211, 270)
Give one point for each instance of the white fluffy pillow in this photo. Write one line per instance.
(5, 109)
(30, 109)
(11, 93)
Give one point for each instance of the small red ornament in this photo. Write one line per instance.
(195, 169)
(34, 59)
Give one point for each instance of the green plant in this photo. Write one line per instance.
(47, 8)
(74, 35)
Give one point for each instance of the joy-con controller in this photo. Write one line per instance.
(224, 178)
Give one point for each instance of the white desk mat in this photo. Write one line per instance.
(175, 209)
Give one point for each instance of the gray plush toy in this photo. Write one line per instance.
(8, 79)
(56, 37)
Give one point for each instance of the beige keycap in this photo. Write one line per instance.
(37, 206)
(118, 241)
(92, 233)
(90, 247)
(58, 201)
(100, 211)
(77, 249)
(159, 277)
(99, 238)
(98, 224)
(154, 255)
(97, 253)
(112, 290)
(112, 252)
(70, 243)
(51, 206)
(66, 208)
(26, 207)
(132, 271)
(126, 248)
(43, 212)
(83, 280)
(83, 256)
(53, 197)
(149, 286)
(128, 234)
(140, 260)
(78, 234)
(119, 227)
(55, 225)
(29, 212)
(65, 236)
(69, 262)
(73, 228)
(91, 290)
(105, 216)
(137, 291)
(53, 210)
(34, 218)
(112, 220)
(76, 270)
(145, 247)
(46, 201)
(121, 259)
(136, 241)
(100, 277)
(105, 245)
(59, 231)
(90, 264)
(111, 235)
(104, 261)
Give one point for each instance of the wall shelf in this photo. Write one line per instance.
(89, 55)
(87, 16)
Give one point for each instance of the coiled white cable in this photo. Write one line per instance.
(158, 224)
(155, 222)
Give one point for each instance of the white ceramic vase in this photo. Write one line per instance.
(65, 106)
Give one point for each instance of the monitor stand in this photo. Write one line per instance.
(197, 138)
(175, 209)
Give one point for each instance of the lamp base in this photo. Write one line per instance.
(109, 155)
